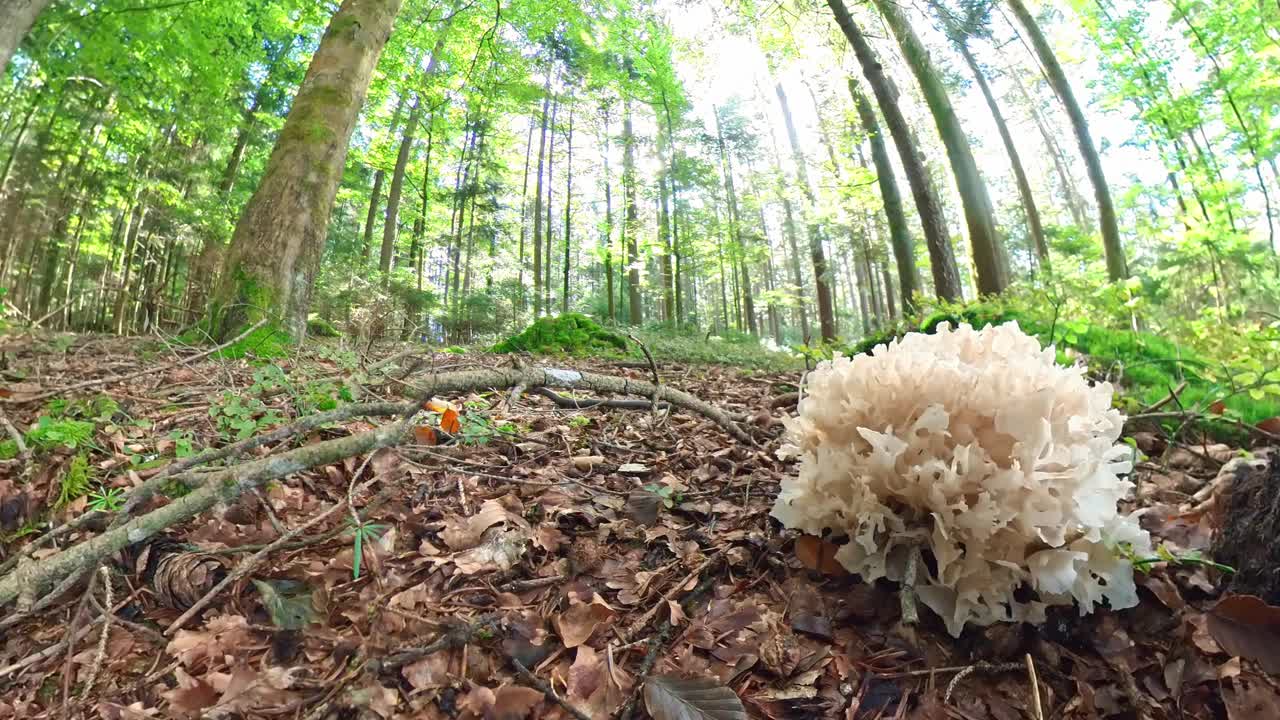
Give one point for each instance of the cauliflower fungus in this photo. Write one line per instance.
(975, 446)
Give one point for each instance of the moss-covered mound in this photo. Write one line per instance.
(1147, 366)
(319, 327)
(571, 333)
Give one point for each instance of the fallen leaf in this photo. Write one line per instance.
(1250, 697)
(449, 421)
(501, 550)
(577, 624)
(642, 506)
(1270, 425)
(425, 435)
(1217, 407)
(1246, 626)
(671, 698)
(513, 702)
(820, 555)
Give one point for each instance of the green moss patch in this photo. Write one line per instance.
(570, 333)
(1146, 366)
(319, 327)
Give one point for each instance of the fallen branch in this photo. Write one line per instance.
(31, 578)
(456, 636)
(139, 373)
(588, 403)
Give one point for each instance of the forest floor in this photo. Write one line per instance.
(521, 559)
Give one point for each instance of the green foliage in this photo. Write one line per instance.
(365, 532)
(570, 334)
(728, 347)
(50, 433)
(106, 499)
(75, 481)
(319, 327)
(8, 449)
(240, 416)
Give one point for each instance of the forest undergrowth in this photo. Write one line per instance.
(526, 551)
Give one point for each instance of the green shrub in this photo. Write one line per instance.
(570, 333)
(50, 433)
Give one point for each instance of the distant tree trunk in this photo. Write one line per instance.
(635, 311)
(899, 235)
(390, 226)
(420, 228)
(735, 227)
(546, 256)
(524, 195)
(675, 211)
(537, 199)
(1034, 228)
(1117, 268)
(568, 203)
(375, 195)
(16, 18)
(664, 234)
(608, 224)
(942, 259)
(275, 251)
(821, 274)
(984, 239)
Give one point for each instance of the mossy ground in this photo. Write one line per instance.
(1146, 366)
(567, 334)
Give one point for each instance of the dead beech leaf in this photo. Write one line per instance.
(1246, 626)
(463, 533)
(1270, 425)
(1248, 696)
(425, 435)
(1217, 407)
(500, 550)
(671, 698)
(449, 421)
(820, 555)
(576, 624)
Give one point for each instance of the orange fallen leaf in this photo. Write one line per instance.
(449, 421)
(1217, 407)
(820, 555)
(1270, 425)
(425, 434)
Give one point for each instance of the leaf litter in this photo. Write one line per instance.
(624, 559)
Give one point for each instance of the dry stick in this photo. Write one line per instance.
(139, 373)
(547, 690)
(907, 593)
(106, 631)
(139, 495)
(968, 670)
(588, 403)
(644, 620)
(252, 561)
(653, 370)
(456, 636)
(30, 578)
(1035, 689)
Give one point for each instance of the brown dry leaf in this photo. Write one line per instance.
(449, 421)
(513, 702)
(222, 636)
(428, 673)
(463, 533)
(671, 698)
(134, 711)
(820, 555)
(425, 435)
(1270, 425)
(1246, 626)
(1250, 697)
(501, 550)
(549, 538)
(192, 694)
(576, 624)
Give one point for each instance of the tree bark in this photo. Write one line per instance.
(16, 19)
(735, 229)
(984, 239)
(1034, 228)
(524, 196)
(275, 250)
(537, 200)
(1117, 268)
(568, 203)
(942, 259)
(635, 313)
(821, 274)
(375, 195)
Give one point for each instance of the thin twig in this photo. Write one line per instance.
(547, 690)
(252, 561)
(644, 620)
(1038, 713)
(106, 632)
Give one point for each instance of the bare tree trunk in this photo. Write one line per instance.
(821, 274)
(634, 310)
(1039, 246)
(524, 196)
(1117, 268)
(735, 229)
(942, 259)
(984, 238)
(608, 223)
(375, 195)
(537, 199)
(16, 18)
(547, 254)
(568, 202)
(275, 251)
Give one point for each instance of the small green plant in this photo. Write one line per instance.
(364, 532)
(184, 445)
(8, 449)
(106, 499)
(75, 482)
(1165, 555)
(667, 494)
(50, 433)
(579, 421)
(240, 417)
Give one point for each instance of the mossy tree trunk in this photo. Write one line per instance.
(984, 238)
(275, 251)
(1117, 268)
(16, 18)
